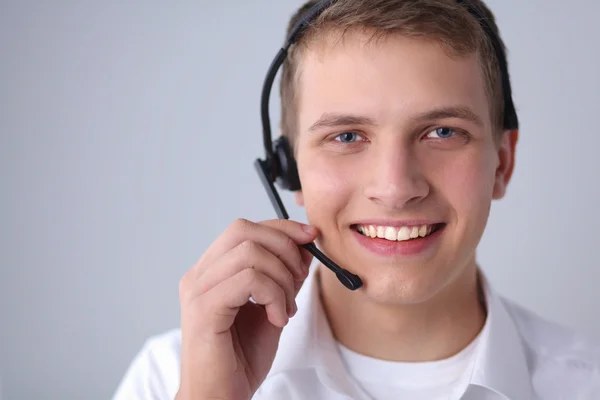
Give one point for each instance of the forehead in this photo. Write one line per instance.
(389, 79)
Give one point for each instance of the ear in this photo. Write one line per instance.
(506, 162)
(299, 198)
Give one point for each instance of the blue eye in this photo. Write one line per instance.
(348, 137)
(442, 133)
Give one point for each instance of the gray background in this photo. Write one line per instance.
(127, 136)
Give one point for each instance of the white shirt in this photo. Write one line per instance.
(433, 380)
(520, 356)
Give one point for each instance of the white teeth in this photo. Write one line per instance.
(372, 231)
(395, 234)
(415, 232)
(390, 233)
(404, 233)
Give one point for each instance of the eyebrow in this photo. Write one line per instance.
(460, 112)
(330, 120)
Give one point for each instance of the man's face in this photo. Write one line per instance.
(396, 133)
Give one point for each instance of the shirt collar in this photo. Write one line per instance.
(500, 364)
(307, 342)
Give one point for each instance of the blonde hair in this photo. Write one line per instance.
(446, 22)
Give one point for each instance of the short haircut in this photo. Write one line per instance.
(446, 22)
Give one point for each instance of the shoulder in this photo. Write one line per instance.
(165, 347)
(559, 357)
(551, 340)
(154, 372)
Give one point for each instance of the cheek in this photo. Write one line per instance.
(326, 184)
(468, 184)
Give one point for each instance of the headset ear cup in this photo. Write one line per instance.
(286, 169)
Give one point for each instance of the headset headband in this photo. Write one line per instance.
(312, 14)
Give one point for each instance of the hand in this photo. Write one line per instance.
(228, 342)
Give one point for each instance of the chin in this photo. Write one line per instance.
(404, 285)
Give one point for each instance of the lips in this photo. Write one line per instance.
(398, 240)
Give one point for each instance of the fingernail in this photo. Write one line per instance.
(311, 230)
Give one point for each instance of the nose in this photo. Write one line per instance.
(396, 178)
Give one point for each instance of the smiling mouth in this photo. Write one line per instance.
(397, 233)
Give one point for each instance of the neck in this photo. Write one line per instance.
(433, 330)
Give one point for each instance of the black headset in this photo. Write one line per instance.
(279, 165)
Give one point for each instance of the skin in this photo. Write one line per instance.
(227, 342)
(417, 308)
(397, 167)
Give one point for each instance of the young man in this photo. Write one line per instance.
(395, 112)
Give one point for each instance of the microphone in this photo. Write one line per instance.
(347, 278)
(280, 163)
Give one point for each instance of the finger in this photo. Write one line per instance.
(290, 228)
(284, 244)
(250, 255)
(307, 258)
(295, 230)
(225, 299)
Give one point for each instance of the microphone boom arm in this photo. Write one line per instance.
(347, 278)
